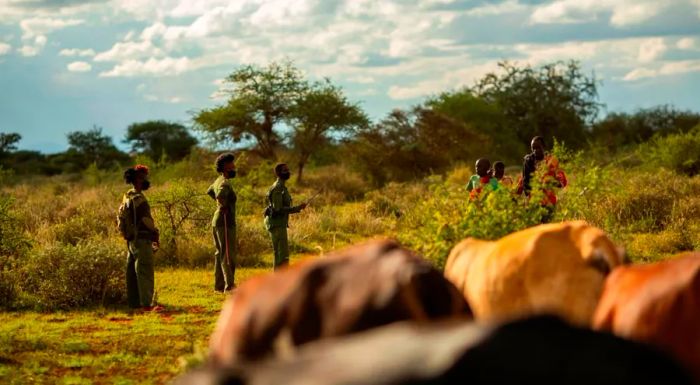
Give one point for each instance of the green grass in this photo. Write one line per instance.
(115, 345)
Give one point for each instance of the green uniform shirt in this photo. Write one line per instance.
(145, 226)
(222, 192)
(281, 203)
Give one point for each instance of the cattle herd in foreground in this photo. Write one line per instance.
(553, 304)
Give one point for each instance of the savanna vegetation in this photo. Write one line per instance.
(636, 175)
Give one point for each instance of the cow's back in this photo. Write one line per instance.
(356, 289)
(658, 303)
(556, 268)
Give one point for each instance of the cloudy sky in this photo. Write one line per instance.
(66, 65)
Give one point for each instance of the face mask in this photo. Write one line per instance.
(285, 175)
(231, 174)
(145, 185)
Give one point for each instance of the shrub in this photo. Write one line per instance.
(68, 276)
(253, 242)
(446, 216)
(678, 152)
(338, 179)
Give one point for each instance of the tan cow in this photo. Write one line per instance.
(657, 303)
(555, 268)
(355, 289)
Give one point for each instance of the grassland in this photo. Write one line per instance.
(114, 345)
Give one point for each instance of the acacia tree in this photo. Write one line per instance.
(555, 99)
(260, 99)
(320, 115)
(156, 138)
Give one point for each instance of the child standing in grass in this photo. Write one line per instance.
(499, 170)
(482, 179)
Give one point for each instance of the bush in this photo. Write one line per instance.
(678, 152)
(69, 276)
(446, 216)
(337, 179)
(8, 290)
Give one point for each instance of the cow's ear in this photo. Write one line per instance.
(623, 255)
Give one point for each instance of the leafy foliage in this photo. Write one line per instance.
(158, 138)
(260, 99)
(322, 112)
(556, 99)
(86, 147)
(410, 144)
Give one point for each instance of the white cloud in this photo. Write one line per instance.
(5, 48)
(500, 8)
(79, 66)
(129, 51)
(651, 50)
(623, 12)
(639, 73)
(33, 48)
(152, 67)
(70, 52)
(45, 25)
(685, 43)
(667, 69)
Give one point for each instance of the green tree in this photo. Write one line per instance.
(556, 99)
(87, 147)
(409, 144)
(320, 115)
(620, 128)
(484, 118)
(157, 138)
(8, 142)
(260, 100)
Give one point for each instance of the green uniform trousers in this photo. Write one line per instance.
(140, 280)
(224, 258)
(280, 246)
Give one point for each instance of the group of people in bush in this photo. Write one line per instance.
(489, 178)
(136, 225)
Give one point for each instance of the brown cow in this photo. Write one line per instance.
(355, 289)
(556, 268)
(658, 303)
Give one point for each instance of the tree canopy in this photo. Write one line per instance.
(92, 146)
(556, 99)
(260, 98)
(158, 138)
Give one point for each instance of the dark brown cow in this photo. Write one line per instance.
(541, 350)
(355, 289)
(658, 303)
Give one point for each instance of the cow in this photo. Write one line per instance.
(555, 268)
(542, 350)
(657, 303)
(355, 289)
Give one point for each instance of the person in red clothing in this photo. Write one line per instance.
(552, 179)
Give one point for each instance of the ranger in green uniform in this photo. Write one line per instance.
(224, 223)
(142, 242)
(277, 215)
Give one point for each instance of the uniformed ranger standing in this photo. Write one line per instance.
(224, 223)
(277, 215)
(140, 279)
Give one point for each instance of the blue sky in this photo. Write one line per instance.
(66, 65)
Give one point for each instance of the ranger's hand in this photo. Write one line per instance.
(303, 205)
